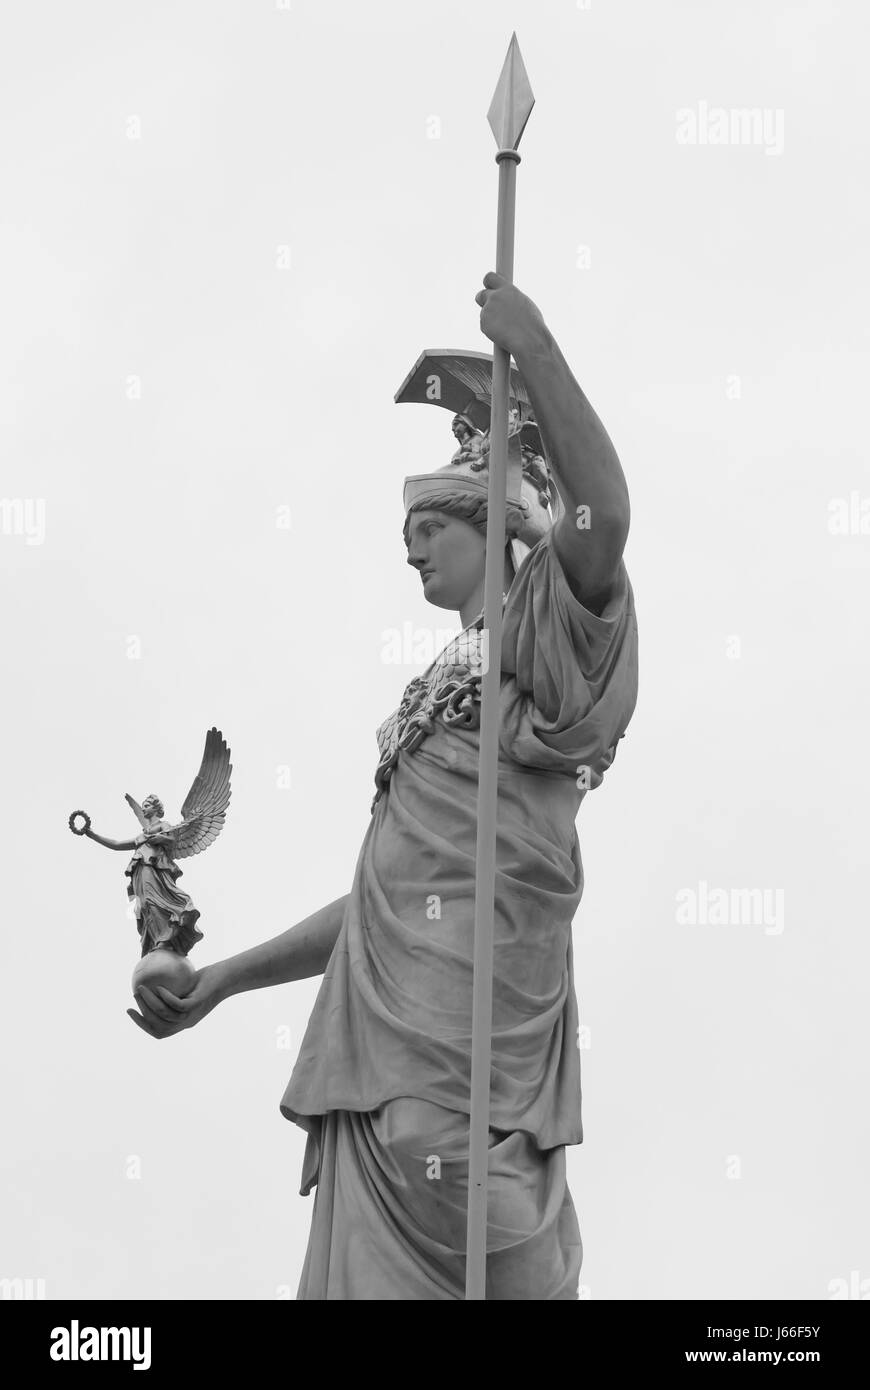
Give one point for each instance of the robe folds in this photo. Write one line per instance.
(381, 1083)
(165, 914)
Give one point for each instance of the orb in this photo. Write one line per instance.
(166, 968)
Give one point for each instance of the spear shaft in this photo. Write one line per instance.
(511, 104)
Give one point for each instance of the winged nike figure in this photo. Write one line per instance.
(166, 917)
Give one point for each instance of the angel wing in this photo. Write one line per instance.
(205, 807)
(137, 809)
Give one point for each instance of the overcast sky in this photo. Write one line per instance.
(228, 231)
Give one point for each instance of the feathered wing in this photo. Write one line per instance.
(205, 807)
(139, 813)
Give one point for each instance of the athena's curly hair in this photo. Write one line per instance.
(470, 509)
(157, 803)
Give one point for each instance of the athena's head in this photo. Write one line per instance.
(446, 541)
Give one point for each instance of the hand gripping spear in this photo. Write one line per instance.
(511, 106)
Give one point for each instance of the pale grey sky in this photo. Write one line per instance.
(227, 232)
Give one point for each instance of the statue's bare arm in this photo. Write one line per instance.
(578, 447)
(110, 844)
(297, 954)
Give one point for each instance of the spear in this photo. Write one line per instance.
(511, 106)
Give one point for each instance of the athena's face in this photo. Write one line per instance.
(151, 806)
(450, 555)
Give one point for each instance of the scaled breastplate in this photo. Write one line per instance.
(449, 690)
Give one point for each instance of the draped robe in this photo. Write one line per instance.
(381, 1083)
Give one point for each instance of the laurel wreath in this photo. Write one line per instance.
(80, 829)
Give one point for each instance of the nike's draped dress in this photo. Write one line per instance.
(381, 1083)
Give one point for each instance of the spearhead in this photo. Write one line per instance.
(512, 100)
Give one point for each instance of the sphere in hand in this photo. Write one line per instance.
(166, 968)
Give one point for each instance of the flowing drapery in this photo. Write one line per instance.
(392, 1018)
